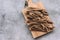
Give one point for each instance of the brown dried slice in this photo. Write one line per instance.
(37, 19)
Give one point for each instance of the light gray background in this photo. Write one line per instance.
(12, 26)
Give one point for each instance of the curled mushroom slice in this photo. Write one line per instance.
(39, 14)
(44, 12)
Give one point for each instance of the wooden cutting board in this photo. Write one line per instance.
(29, 5)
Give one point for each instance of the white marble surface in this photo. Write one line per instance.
(12, 26)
